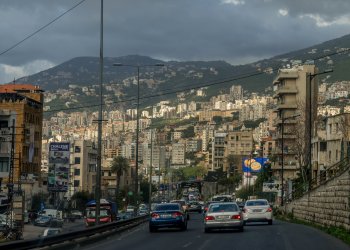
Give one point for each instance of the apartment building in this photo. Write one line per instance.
(239, 144)
(291, 92)
(21, 107)
(83, 166)
(217, 151)
(178, 154)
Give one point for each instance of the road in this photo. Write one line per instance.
(32, 232)
(281, 235)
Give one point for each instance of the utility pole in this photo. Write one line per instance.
(99, 136)
(150, 174)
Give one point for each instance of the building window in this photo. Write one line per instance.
(77, 172)
(76, 183)
(4, 124)
(77, 149)
(4, 164)
(77, 160)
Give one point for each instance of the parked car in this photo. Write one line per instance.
(257, 210)
(168, 215)
(76, 214)
(223, 215)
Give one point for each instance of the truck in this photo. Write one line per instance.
(108, 212)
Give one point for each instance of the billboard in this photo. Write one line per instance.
(271, 187)
(253, 165)
(58, 167)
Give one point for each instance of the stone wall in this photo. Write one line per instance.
(327, 205)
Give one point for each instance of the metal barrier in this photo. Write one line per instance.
(328, 174)
(71, 236)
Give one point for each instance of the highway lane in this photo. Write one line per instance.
(279, 236)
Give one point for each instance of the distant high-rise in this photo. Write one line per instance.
(236, 92)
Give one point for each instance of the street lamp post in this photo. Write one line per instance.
(310, 78)
(136, 188)
(282, 154)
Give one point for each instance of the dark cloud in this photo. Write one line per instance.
(168, 29)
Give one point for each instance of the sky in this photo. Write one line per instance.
(236, 31)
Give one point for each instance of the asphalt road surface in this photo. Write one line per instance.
(279, 236)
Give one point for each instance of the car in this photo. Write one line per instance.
(50, 231)
(206, 205)
(130, 209)
(194, 206)
(142, 212)
(257, 210)
(223, 215)
(47, 221)
(168, 215)
(77, 214)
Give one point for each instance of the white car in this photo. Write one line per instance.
(257, 210)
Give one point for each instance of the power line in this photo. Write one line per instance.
(226, 80)
(40, 29)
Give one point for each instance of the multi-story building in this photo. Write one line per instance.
(83, 166)
(292, 87)
(236, 92)
(239, 144)
(217, 151)
(21, 107)
(193, 145)
(178, 154)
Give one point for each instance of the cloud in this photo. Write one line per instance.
(9, 73)
(283, 12)
(234, 2)
(180, 30)
(321, 22)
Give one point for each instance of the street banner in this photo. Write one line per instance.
(58, 167)
(271, 187)
(253, 165)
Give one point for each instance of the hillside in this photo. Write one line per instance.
(178, 76)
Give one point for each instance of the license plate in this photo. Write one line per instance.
(256, 210)
(165, 215)
(222, 217)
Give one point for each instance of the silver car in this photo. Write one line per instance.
(223, 215)
(257, 211)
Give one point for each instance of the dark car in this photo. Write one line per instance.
(168, 215)
(194, 206)
(48, 221)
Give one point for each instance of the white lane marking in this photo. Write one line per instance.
(187, 245)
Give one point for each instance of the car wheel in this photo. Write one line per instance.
(184, 227)
(241, 229)
(244, 223)
(206, 230)
(270, 222)
(188, 217)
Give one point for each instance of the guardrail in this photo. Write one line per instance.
(74, 237)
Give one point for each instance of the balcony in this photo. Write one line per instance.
(284, 90)
(286, 106)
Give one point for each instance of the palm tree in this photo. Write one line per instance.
(119, 166)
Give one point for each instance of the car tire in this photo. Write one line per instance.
(241, 229)
(270, 222)
(244, 223)
(188, 217)
(206, 230)
(183, 227)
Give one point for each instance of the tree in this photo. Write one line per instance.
(119, 166)
(79, 199)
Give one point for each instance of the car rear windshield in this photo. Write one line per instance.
(216, 208)
(182, 203)
(167, 207)
(256, 203)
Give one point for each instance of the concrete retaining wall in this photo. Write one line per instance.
(327, 205)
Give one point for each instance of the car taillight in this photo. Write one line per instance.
(177, 214)
(155, 215)
(269, 210)
(236, 217)
(206, 209)
(209, 218)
